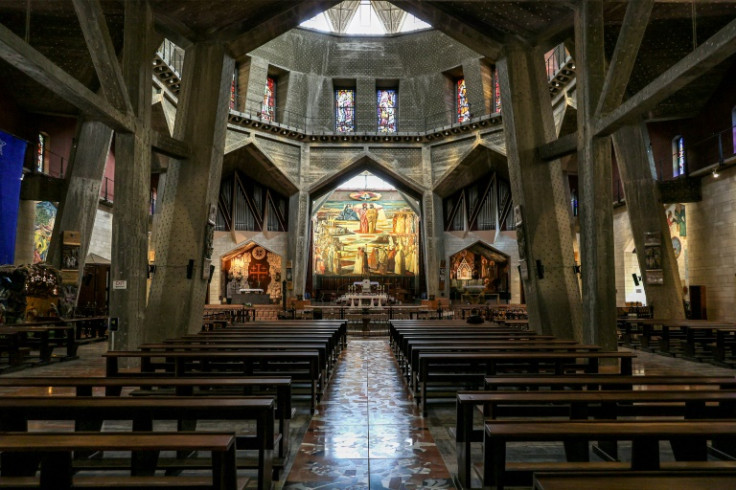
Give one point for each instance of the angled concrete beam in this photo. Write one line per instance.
(97, 36)
(31, 62)
(562, 146)
(171, 147)
(709, 54)
(624, 55)
(489, 44)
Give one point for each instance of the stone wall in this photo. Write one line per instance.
(101, 242)
(417, 62)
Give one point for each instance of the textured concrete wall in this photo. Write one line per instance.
(416, 60)
(623, 243)
(711, 235)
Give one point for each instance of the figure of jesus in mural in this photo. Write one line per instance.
(372, 216)
(364, 219)
(359, 262)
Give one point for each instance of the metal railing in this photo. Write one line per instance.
(555, 59)
(107, 191)
(172, 55)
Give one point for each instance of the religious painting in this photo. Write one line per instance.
(268, 112)
(365, 233)
(476, 271)
(677, 222)
(253, 267)
(345, 110)
(386, 104)
(43, 227)
(462, 106)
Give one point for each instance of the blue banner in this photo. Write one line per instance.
(12, 152)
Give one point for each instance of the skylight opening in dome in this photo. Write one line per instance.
(365, 181)
(366, 21)
(411, 23)
(319, 22)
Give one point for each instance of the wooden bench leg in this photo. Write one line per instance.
(645, 455)
(56, 470)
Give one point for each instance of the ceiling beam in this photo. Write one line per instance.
(562, 146)
(244, 37)
(171, 147)
(489, 44)
(709, 54)
(105, 60)
(624, 55)
(22, 56)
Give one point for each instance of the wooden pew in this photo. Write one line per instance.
(645, 480)
(54, 450)
(235, 346)
(603, 381)
(243, 362)
(39, 337)
(10, 344)
(685, 436)
(606, 404)
(433, 366)
(15, 412)
(199, 386)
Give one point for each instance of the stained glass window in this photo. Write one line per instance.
(386, 107)
(268, 112)
(345, 110)
(678, 160)
(234, 90)
(41, 152)
(463, 107)
(496, 92)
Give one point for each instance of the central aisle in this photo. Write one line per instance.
(367, 433)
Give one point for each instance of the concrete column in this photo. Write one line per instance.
(647, 215)
(178, 290)
(78, 210)
(24, 237)
(538, 189)
(596, 193)
(132, 183)
(432, 238)
(299, 230)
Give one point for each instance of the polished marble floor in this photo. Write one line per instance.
(367, 432)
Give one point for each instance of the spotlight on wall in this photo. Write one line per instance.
(716, 174)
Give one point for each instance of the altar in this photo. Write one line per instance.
(365, 294)
(359, 300)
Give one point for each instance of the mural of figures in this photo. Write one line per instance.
(254, 267)
(677, 221)
(44, 225)
(365, 233)
(479, 269)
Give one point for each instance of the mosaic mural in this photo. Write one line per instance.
(366, 234)
(44, 225)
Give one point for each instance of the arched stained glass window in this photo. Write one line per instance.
(462, 106)
(386, 107)
(345, 110)
(234, 90)
(678, 156)
(268, 112)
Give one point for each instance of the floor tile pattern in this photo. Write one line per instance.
(367, 432)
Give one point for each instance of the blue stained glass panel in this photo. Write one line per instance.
(386, 104)
(345, 110)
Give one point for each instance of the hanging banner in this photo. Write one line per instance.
(12, 152)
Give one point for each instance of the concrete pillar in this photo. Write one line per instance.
(647, 215)
(596, 193)
(538, 190)
(299, 230)
(132, 183)
(24, 237)
(432, 237)
(178, 289)
(78, 210)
